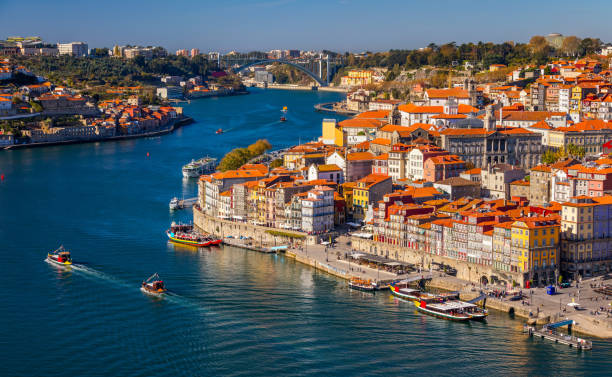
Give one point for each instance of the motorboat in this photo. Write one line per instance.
(153, 285)
(219, 131)
(61, 257)
(283, 119)
(174, 204)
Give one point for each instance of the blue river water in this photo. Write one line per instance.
(231, 311)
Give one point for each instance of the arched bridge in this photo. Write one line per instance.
(319, 67)
(283, 61)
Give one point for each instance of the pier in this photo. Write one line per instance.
(549, 332)
(330, 107)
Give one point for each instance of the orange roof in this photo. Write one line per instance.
(238, 174)
(384, 156)
(359, 156)
(541, 125)
(373, 179)
(360, 123)
(330, 167)
(520, 182)
(542, 168)
(475, 171)
(377, 114)
(381, 141)
(445, 93)
(393, 127)
(261, 167)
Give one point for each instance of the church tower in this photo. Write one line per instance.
(489, 119)
(394, 116)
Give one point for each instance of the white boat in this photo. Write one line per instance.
(174, 204)
(196, 168)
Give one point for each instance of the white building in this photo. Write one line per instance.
(73, 48)
(170, 92)
(564, 98)
(318, 210)
(332, 173)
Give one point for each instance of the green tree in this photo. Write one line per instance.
(276, 163)
(549, 157)
(571, 45)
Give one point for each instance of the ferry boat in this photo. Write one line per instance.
(362, 285)
(451, 310)
(174, 204)
(196, 168)
(60, 257)
(184, 234)
(153, 285)
(402, 290)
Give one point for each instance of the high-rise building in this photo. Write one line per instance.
(182, 52)
(73, 48)
(194, 52)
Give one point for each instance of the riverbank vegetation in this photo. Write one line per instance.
(240, 156)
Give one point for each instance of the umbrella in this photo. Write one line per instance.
(573, 304)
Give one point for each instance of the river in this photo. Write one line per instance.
(231, 311)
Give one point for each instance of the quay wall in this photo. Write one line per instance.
(260, 234)
(465, 271)
(318, 265)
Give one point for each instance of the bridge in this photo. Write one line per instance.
(320, 68)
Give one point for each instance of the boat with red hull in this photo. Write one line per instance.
(185, 234)
(153, 285)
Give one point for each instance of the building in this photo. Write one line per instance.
(318, 210)
(194, 52)
(535, 245)
(539, 180)
(73, 48)
(331, 173)
(496, 180)
(264, 77)
(368, 191)
(211, 186)
(170, 92)
(493, 145)
(357, 77)
(438, 168)
(358, 165)
(457, 187)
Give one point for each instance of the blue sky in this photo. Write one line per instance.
(339, 25)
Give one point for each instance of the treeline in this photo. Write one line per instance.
(240, 156)
(537, 51)
(107, 70)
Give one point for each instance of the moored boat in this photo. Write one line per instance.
(174, 204)
(362, 285)
(153, 285)
(60, 257)
(402, 290)
(185, 234)
(451, 310)
(196, 168)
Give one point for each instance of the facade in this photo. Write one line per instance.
(73, 48)
(170, 92)
(457, 187)
(331, 173)
(318, 210)
(496, 180)
(368, 191)
(535, 243)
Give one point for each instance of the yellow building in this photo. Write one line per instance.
(357, 77)
(368, 191)
(332, 134)
(535, 249)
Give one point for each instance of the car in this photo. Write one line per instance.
(565, 285)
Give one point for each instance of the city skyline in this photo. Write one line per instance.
(265, 25)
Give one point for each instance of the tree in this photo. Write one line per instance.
(549, 157)
(276, 163)
(589, 46)
(571, 45)
(538, 43)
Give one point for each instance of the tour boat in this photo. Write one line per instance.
(284, 109)
(478, 314)
(362, 285)
(451, 310)
(174, 204)
(283, 119)
(402, 290)
(185, 234)
(219, 131)
(196, 168)
(153, 285)
(60, 257)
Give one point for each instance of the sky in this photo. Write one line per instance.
(337, 25)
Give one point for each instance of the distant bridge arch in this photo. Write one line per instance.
(283, 61)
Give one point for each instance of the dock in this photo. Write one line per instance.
(549, 332)
(186, 203)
